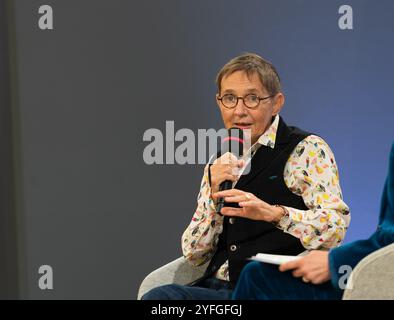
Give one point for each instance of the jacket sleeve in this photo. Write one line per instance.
(351, 253)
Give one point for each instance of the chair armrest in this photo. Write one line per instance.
(373, 277)
(178, 271)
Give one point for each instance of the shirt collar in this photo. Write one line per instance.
(268, 138)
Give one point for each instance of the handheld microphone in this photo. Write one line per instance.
(233, 143)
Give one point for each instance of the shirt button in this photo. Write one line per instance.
(233, 247)
(232, 220)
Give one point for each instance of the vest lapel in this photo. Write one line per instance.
(265, 156)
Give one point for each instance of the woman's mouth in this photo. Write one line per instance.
(243, 125)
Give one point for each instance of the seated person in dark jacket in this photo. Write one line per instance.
(319, 270)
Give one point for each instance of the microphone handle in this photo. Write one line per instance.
(225, 185)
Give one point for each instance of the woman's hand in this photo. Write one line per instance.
(251, 207)
(224, 168)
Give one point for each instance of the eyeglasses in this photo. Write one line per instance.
(251, 101)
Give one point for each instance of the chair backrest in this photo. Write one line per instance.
(373, 277)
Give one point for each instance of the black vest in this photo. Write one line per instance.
(242, 238)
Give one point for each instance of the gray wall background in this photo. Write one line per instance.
(85, 92)
(8, 235)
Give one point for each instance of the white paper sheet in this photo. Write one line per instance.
(273, 258)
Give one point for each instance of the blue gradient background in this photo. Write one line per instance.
(85, 93)
(338, 83)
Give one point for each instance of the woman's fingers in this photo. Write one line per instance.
(228, 193)
(227, 211)
(238, 198)
(249, 204)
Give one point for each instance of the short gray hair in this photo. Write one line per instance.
(252, 63)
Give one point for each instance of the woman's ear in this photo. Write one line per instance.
(217, 100)
(278, 103)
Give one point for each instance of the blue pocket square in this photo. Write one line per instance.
(272, 177)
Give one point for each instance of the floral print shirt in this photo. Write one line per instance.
(310, 172)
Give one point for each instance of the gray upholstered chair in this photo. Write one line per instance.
(373, 277)
(178, 271)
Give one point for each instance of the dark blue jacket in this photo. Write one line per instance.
(350, 254)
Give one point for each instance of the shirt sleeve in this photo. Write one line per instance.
(199, 240)
(311, 172)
